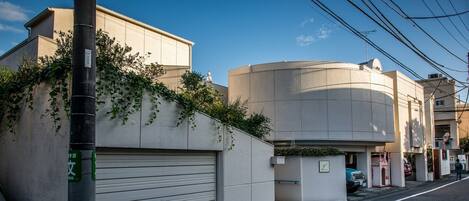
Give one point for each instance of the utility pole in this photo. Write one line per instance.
(82, 155)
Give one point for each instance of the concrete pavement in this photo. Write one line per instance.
(441, 190)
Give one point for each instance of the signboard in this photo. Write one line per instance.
(74, 166)
(324, 166)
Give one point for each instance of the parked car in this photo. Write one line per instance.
(407, 168)
(355, 179)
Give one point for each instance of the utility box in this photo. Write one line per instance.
(380, 171)
(277, 160)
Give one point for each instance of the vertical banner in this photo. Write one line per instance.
(74, 166)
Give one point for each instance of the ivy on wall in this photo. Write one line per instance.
(123, 79)
(307, 151)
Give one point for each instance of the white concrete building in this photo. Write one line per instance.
(320, 103)
(135, 161)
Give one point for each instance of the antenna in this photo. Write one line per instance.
(366, 33)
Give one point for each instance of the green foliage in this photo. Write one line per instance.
(206, 99)
(307, 151)
(464, 144)
(123, 79)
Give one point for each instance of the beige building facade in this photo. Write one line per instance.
(409, 128)
(169, 50)
(441, 88)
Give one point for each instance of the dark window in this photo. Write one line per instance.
(440, 130)
(440, 102)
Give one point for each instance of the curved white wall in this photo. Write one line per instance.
(318, 100)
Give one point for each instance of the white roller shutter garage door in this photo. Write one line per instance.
(155, 176)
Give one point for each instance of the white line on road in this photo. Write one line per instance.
(439, 187)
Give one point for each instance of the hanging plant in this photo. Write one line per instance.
(122, 80)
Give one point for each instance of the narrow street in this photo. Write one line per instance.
(456, 191)
(450, 190)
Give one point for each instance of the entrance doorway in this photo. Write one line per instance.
(410, 171)
(436, 164)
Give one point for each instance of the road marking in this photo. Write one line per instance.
(439, 187)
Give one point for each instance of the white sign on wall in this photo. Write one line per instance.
(324, 166)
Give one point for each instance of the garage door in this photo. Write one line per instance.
(155, 176)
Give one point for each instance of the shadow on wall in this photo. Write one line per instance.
(414, 135)
(329, 112)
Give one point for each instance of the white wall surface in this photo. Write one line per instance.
(247, 173)
(318, 101)
(408, 94)
(34, 160)
(285, 176)
(323, 186)
(159, 47)
(36, 167)
(29, 50)
(312, 186)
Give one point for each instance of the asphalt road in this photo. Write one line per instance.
(447, 191)
(454, 192)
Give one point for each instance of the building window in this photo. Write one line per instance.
(440, 102)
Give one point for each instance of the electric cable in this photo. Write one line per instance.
(433, 93)
(451, 21)
(399, 36)
(462, 21)
(326, 9)
(444, 27)
(403, 14)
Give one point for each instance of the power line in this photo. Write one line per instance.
(323, 7)
(404, 15)
(350, 28)
(451, 20)
(440, 16)
(451, 94)
(462, 21)
(444, 27)
(398, 35)
(433, 93)
(465, 104)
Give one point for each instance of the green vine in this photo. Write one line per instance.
(123, 80)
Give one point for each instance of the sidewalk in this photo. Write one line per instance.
(376, 193)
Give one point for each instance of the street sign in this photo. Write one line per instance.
(74, 166)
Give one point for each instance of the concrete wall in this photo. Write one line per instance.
(247, 173)
(318, 100)
(36, 158)
(463, 126)
(160, 46)
(429, 122)
(445, 87)
(312, 185)
(43, 28)
(288, 179)
(409, 114)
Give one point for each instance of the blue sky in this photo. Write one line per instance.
(228, 34)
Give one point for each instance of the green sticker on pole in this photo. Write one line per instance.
(74, 166)
(93, 166)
